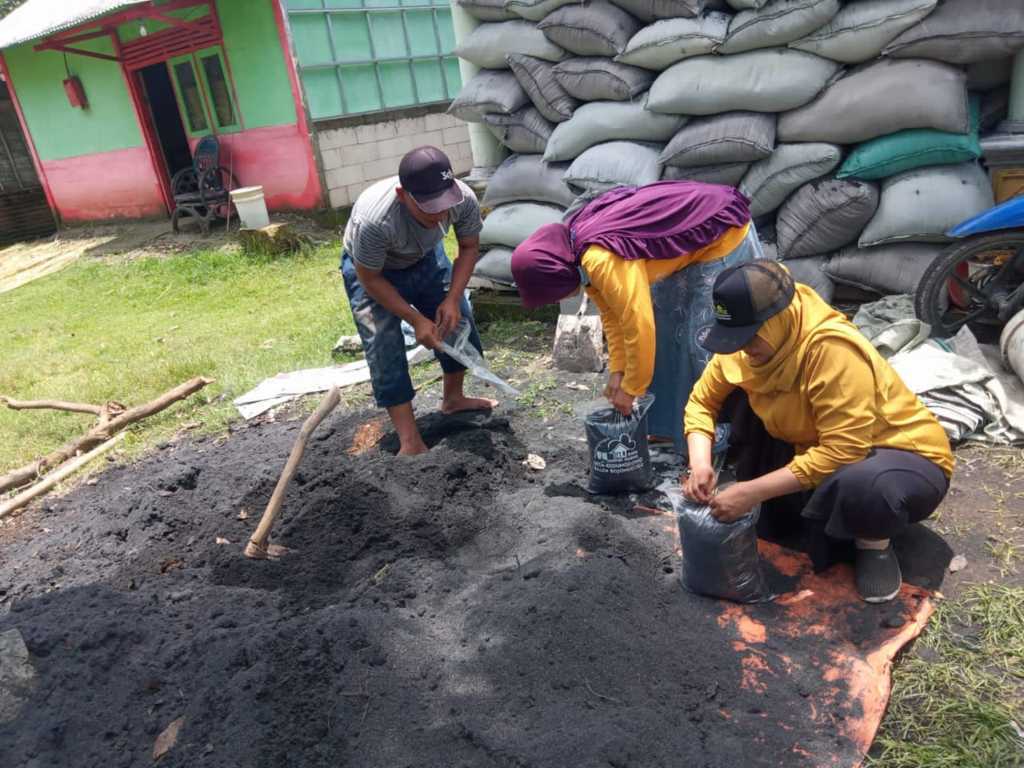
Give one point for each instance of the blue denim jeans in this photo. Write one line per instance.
(424, 285)
(682, 307)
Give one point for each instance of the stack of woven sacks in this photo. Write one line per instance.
(853, 126)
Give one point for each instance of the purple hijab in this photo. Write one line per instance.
(656, 221)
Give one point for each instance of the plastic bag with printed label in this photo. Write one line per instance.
(620, 459)
(719, 559)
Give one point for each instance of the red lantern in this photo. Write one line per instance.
(76, 93)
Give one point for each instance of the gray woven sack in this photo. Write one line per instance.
(595, 29)
(733, 137)
(488, 91)
(777, 23)
(595, 78)
(823, 216)
(879, 99)
(537, 78)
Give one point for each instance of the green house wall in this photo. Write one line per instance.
(60, 131)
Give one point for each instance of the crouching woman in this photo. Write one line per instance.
(846, 447)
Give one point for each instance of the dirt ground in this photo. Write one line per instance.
(454, 609)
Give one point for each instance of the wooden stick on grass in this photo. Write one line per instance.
(56, 405)
(257, 548)
(63, 471)
(100, 433)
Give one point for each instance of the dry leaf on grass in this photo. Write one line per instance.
(166, 740)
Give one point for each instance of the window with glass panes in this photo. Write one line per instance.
(362, 56)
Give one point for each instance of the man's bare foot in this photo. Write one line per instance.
(413, 449)
(463, 403)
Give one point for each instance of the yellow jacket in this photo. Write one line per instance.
(826, 391)
(621, 291)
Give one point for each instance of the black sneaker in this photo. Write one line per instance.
(878, 575)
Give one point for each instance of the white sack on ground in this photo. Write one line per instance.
(535, 10)
(489, 44)
(728, 174)
(525, 130)
(823, 216)
(486, 10)
(601, 121)
(595, 78)
(959, 381)
(526, 178)
(733, 137)
(666, 42)
(509, 225)
(613, 164)
(595, 29)
(774, 80)
(488, 91)
(770, 181)
(887, 269)
(777, 23)
(861, 30)
(652, 10)
(811, 271)
(924, 204)
(537, 78)
(880, 99)
(964, 31)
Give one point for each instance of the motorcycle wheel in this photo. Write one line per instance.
(969, 282)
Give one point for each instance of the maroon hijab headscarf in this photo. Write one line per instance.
(656, 221)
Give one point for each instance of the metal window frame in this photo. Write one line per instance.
(368, 13)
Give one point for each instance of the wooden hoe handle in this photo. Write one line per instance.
(257, 546)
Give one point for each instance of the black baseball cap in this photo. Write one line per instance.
(426, 174)
(744, 297)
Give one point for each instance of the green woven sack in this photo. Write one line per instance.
(905, 150)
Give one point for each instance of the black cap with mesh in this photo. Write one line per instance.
(744, 297)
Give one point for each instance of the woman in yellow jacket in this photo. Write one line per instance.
(866, 458)
(647, 257)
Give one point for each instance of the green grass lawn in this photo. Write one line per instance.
(103, 331)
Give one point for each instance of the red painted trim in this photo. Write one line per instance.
(149, 138)
(27, 135)
(76, 51)
(300, 106)
(63, 39)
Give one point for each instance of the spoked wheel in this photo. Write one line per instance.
(977, 282)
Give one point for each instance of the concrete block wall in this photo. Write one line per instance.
(356, 157)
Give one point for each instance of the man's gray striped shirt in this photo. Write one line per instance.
(382, 234)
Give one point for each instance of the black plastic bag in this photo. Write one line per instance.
(620, 459)
(719, 559)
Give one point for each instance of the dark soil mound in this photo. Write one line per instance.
(440, 610)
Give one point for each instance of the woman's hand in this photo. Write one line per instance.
(614, 385)
(700, 483)
(622, 402)
(734, 502)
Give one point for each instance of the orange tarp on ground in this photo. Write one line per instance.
(822, 631)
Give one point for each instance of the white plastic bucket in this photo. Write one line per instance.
(252, 208)
(1011, 344)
